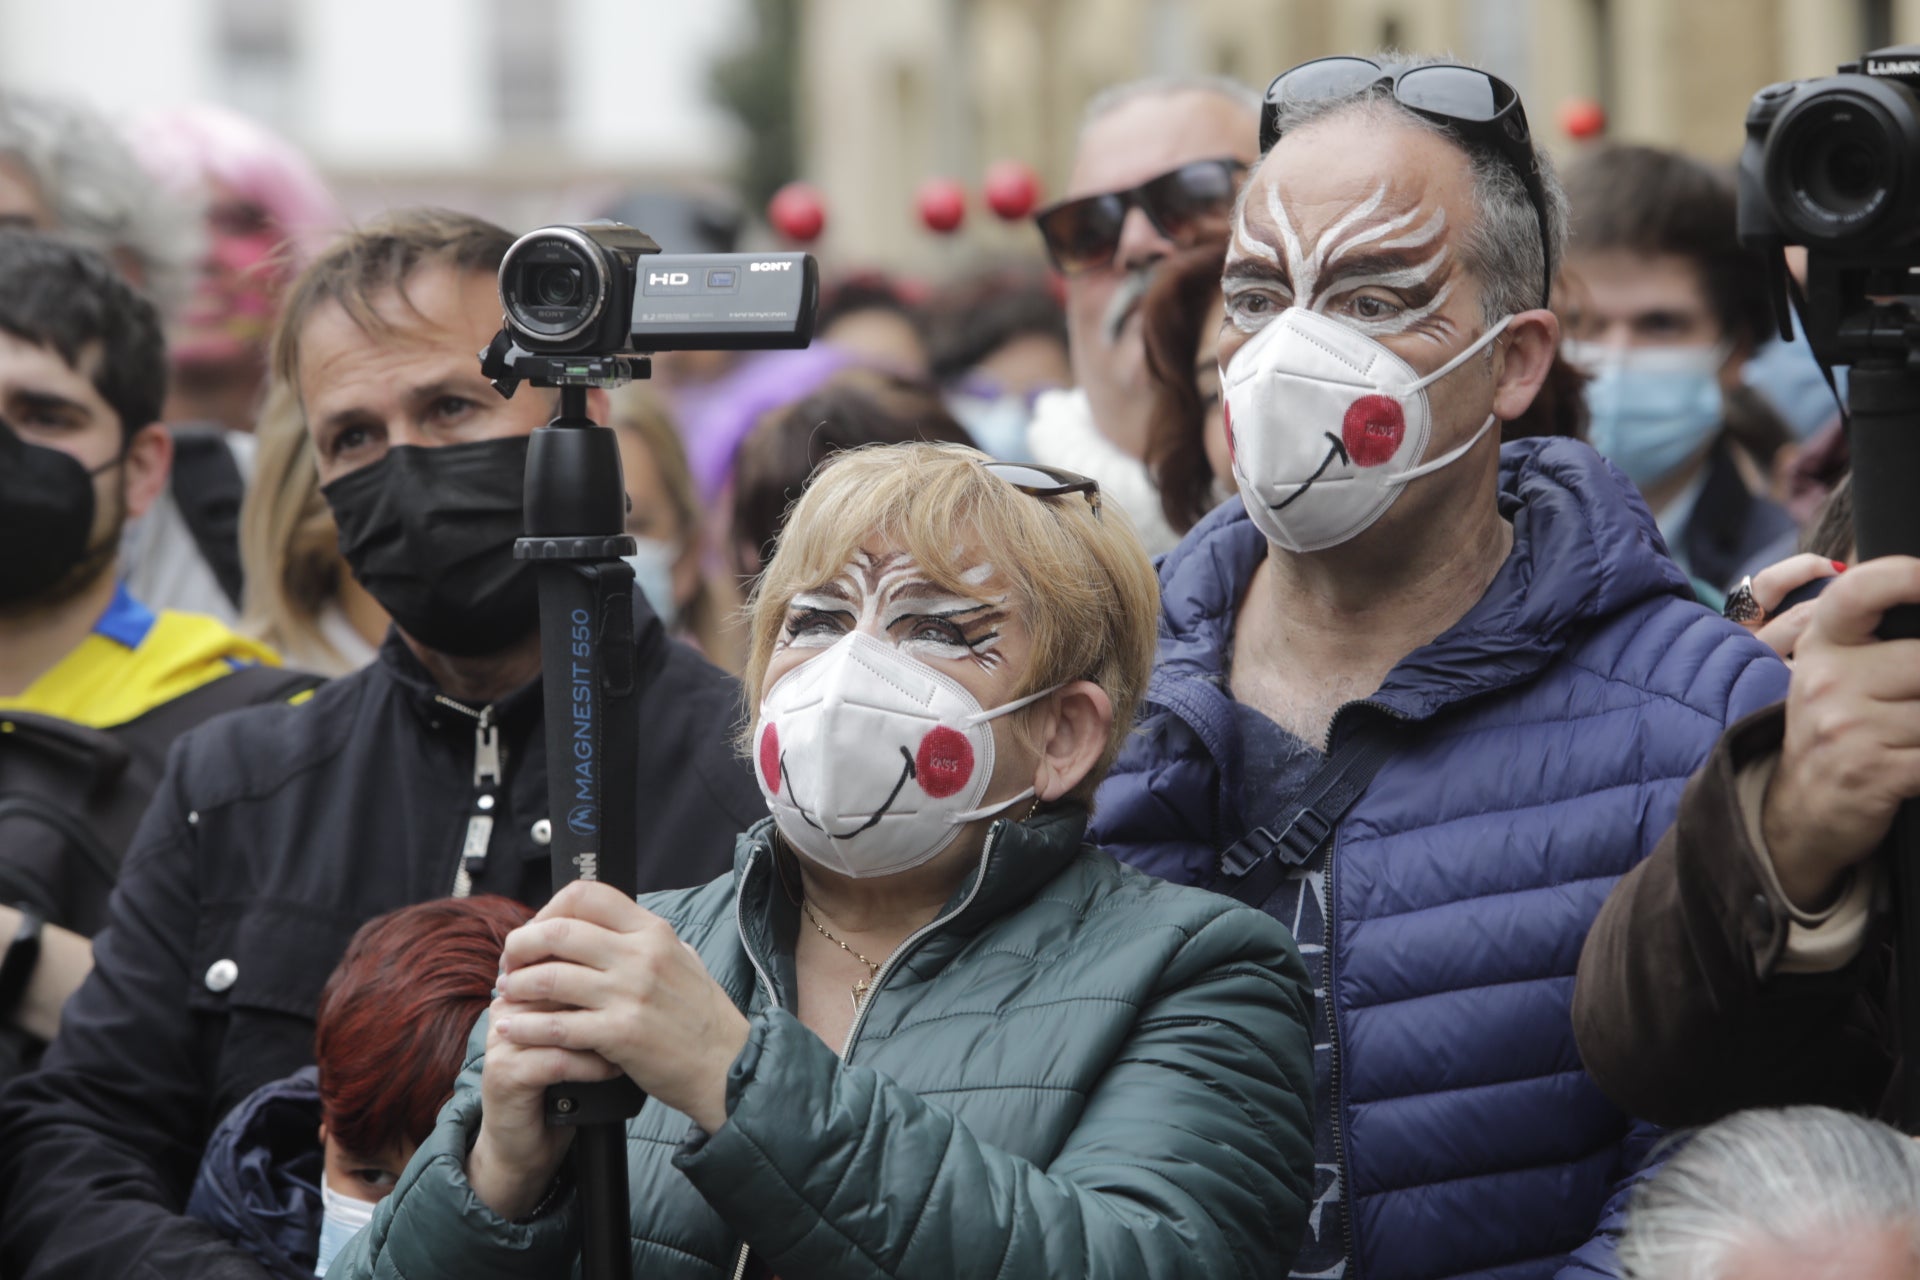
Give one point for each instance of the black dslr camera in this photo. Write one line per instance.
(586, 302)
(1833, 165)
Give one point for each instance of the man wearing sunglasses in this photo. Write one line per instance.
(1156, 169)
(1421, 697)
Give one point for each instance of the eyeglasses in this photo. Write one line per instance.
(1477, 108)
(1047, 482)
(1186, 205)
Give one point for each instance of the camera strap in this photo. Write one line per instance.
(1798, 297)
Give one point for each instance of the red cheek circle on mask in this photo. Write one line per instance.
(770, 758)
(944, 762)
(1373, 429)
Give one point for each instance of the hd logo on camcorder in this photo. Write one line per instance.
(669, 278)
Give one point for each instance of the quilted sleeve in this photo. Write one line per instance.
(1193, 1157)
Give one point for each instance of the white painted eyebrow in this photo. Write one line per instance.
(1432, 227)
(1243, 240)
(1402, 278)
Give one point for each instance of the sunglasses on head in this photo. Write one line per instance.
(1185, 205)
(1479, 109)
(1047, 482)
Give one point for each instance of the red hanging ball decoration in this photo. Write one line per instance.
(943, 205)
(1582, 118)
(797, 212)
(1012, 189)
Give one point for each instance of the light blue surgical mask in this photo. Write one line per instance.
(1650, 408)
(998, 424)
(1789, 377)
(342, 1218)
(652, 564)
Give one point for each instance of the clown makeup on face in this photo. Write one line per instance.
(1383, 267)
(888, 596)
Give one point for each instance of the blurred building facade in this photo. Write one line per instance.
(524, 110)
(894, 93)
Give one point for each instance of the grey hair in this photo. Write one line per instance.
(1770, 1176)
(1503, 249)
(1113, 97)
(99, 194)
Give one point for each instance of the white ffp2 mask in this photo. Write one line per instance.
(342, 1218)
(871, 761)
(1325, 426)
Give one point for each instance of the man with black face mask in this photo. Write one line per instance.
(94, 686)
(279, 831)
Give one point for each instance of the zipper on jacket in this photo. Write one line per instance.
(486, 795)
(1333, 1070)
(1328, 909)
(900, 952)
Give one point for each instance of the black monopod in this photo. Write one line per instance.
(1883, 396)
(583, 303)
(576, 504)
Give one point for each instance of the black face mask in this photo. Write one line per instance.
(46, 519)
(429, 533)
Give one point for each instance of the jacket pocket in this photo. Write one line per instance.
(254, 985)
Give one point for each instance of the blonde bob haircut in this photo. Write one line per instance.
(1079, 581)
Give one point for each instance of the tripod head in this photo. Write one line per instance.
(506, 365)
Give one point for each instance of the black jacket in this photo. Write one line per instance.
(275, 834)
(1730, 524)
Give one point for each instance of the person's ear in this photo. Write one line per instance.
(600, 406)
(149, 461)
(1527, 349)
(1075, 724)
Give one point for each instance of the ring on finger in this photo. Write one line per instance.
(1741, 607)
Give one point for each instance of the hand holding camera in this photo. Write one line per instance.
(1851, 753)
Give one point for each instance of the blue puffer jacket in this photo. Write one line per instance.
(1546, 739)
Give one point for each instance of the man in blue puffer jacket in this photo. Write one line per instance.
(1501, 630)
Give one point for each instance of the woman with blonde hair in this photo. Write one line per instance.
(664, 517)
(300, 598)
(923, 1028)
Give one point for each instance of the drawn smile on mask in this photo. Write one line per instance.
(806, 813)
(1370, 435)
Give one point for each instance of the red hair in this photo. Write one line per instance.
(392, 1030)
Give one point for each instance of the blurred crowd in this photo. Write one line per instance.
(1414, 550)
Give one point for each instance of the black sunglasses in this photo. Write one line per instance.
(1477, 108)
(1047, 482)
(1185, 205)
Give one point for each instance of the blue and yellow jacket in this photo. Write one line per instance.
(134, 661)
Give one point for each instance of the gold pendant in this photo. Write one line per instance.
(859, 990)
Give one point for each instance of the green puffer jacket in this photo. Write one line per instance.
(1076, 1071)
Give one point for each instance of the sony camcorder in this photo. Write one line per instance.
(604, 289)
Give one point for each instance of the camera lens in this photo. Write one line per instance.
(556, 286)
(1840, 168)
(1841, 164)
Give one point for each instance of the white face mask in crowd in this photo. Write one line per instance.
(342, 1218)
(872, 761)
(652, 563)
(1325, 426)
(998, 424)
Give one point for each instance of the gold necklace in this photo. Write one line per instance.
(865, 984)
